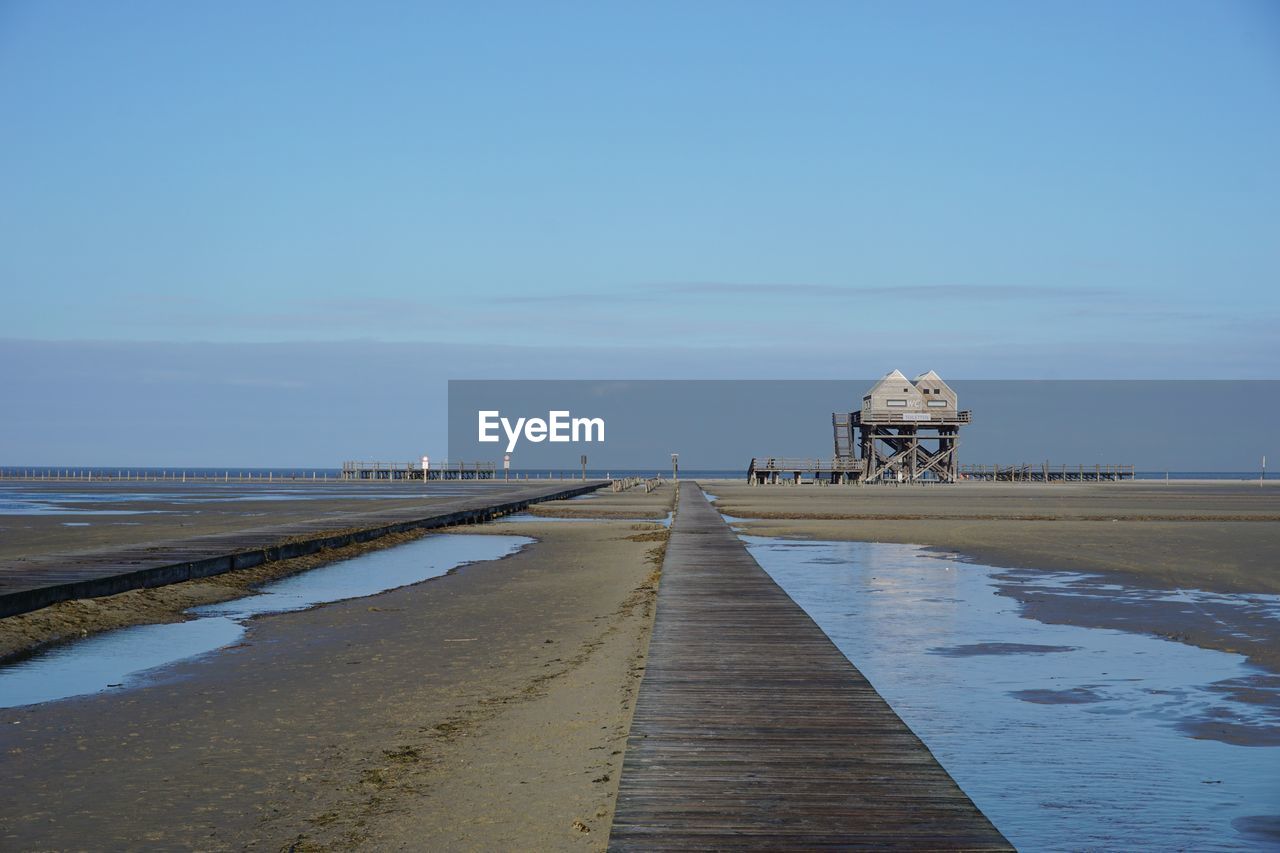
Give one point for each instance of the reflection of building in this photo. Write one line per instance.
(908, 430)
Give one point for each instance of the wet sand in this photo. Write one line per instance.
(1220, 537)
(158, 512)
(71, 620)
(633, 503)
(483, 710)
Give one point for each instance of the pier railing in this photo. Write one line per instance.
(622, 484)
(772, 469)
(164, 475)
(912, 418)
(415, 471)
(1046, 473)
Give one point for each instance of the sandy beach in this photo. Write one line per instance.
(482, 710)
(488, 709)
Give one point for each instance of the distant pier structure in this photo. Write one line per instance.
(907, 430)
(418, 471)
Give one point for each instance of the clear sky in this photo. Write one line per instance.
(991, 189)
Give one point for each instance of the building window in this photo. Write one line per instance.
(937, 404)
(897, 404)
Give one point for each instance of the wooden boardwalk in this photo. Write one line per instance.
(752, 731)
(36, 582)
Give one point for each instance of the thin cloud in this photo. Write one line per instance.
(580, 298)
(667, 291)
(316, 314)
(945, 291)
(1136, 310)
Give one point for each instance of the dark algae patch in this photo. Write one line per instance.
(1071, 696)
(972, 649)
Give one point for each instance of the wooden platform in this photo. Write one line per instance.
(779, 469)
(37, 582)
(752, 731)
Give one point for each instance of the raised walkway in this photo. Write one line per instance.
(753, 731)
(37, 582)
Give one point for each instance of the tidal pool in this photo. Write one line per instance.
(128, 656)
(1068, 738)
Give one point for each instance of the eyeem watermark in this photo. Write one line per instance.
(559, 426)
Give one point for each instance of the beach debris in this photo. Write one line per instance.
(403, 755)
(580, 826)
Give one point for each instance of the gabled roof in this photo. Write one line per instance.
(932, 374)
(893, 378)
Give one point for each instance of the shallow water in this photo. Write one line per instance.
(1068, 738)
(1086, 586)
(129, 656)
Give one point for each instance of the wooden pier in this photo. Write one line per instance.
(36, 582)
(774, 470)
(1046, 473)
(415, 471)
(779, 469)
(753, 731)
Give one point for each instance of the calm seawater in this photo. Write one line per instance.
(1068, 738)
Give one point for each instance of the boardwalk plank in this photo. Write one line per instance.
(753, 731)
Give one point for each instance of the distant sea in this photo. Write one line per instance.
(109, 471)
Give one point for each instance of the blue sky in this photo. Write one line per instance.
(991, 189)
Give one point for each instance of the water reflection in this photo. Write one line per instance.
(1067, 737)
